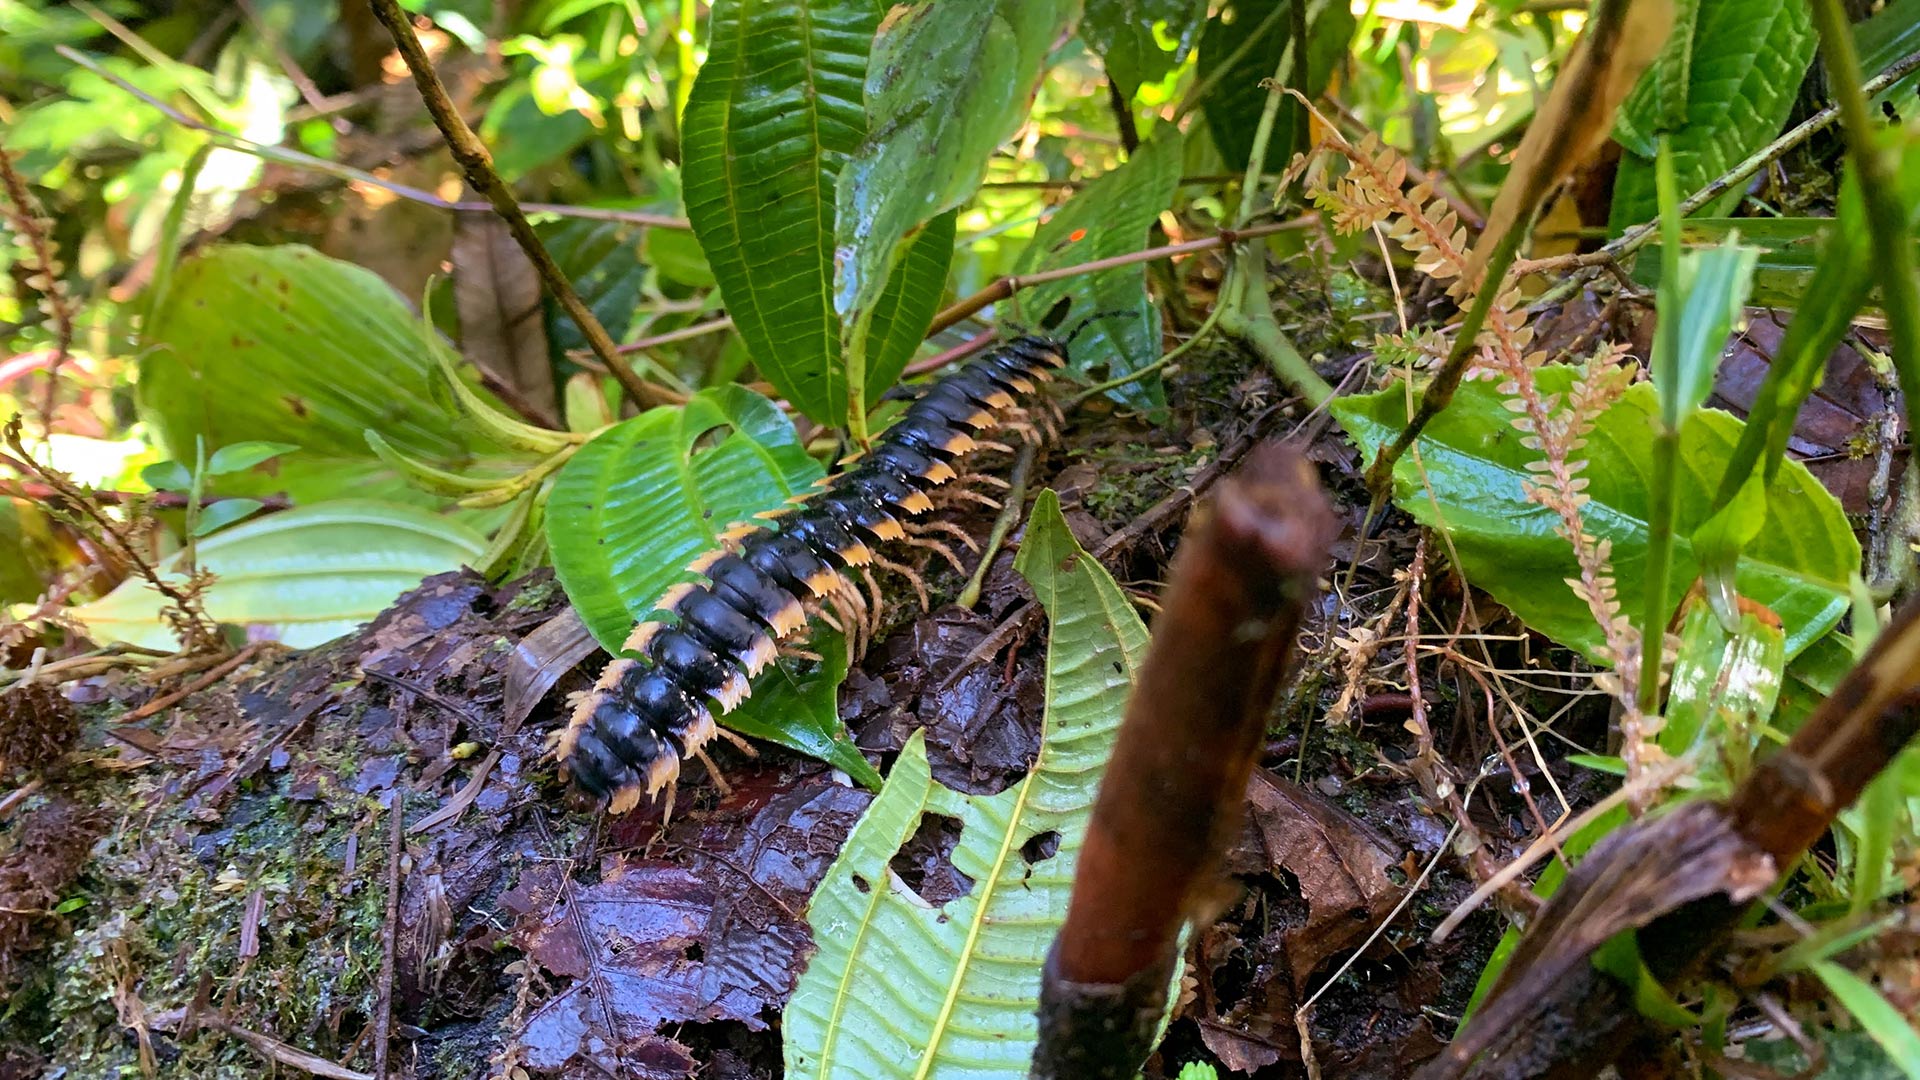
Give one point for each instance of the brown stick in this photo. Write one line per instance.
(1171, 800)
(1683, 880)
(477, 164)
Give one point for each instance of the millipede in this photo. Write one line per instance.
(755, 594)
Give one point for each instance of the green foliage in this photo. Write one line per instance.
(1128, 35)
(770, 122)
(636, 504)
(1468, 484)
(1885, 1023)
(1111, 216)
(800, 710)
(250, 346)
(302, 577)
(1745, 61)
(1256, 35)
(946, 84)
(902, 989)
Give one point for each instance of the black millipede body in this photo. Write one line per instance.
(694, 658)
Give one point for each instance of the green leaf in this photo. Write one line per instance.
(1110, 216)
(303, 576)
(1467, 482)
(239, 457)
(1712, 293)
(167, 476)
(224, 513)
(639, 502)
(1747, 60)
(1720, 539)
(602, 260)
(1723, 683)
(769, 123)
(1620, 957)
(906, 309)
(800, 710)
(900, 988)
(1884, 38)
(946, 85)
(1238, 96)
(1894, 1032)
(1127, 35)
(1197, 1070)
(282, 345)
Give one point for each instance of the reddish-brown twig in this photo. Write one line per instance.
(1171, 799)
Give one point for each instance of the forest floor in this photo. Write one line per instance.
(319, 854)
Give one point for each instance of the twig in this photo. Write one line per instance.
(1011, 504)
(1170, 803)
(165, 500)
(348, 174)
(1005, 287)
(977, 343)
(167, 701)
(477, 164)
(1633, 239)
(389, 933)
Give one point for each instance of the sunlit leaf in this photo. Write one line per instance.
(1237, 97)
(900, 988)
(302, 576)
(1127, 35)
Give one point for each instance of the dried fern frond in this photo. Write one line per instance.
(32, 233)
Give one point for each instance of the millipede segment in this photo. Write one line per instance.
(694, 659)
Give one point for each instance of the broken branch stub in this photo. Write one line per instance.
(1170, 803)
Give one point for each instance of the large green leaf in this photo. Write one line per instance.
(771, 119)
(946, 85)
(1111, 216)
(900, 988)
(1127, 35)
(1746, 62)
(906, 309)
(1238, 95)
(1466, 481)
(639, 502)
(302, 577)
(282, 344)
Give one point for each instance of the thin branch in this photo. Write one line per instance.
(1635, 238)
(281, 155)
(477, 164)
(1007, 286)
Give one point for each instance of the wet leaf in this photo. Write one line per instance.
(301, 577)
(497, 293)
(1468, 483)
(902, 988)
(1892, 1030)
(1110, 216)
(946, 85)
(635, 505)
(800, 710)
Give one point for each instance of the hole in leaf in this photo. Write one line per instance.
(862, 884)
(925, 862)
(1040, 847)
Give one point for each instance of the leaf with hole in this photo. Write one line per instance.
(301, 577)
(900, 988)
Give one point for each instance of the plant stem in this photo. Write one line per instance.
(477, 164)
(1666, 453)
(1005, 287)
(1886, 218)
(1011, 505)
(1439, 392)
